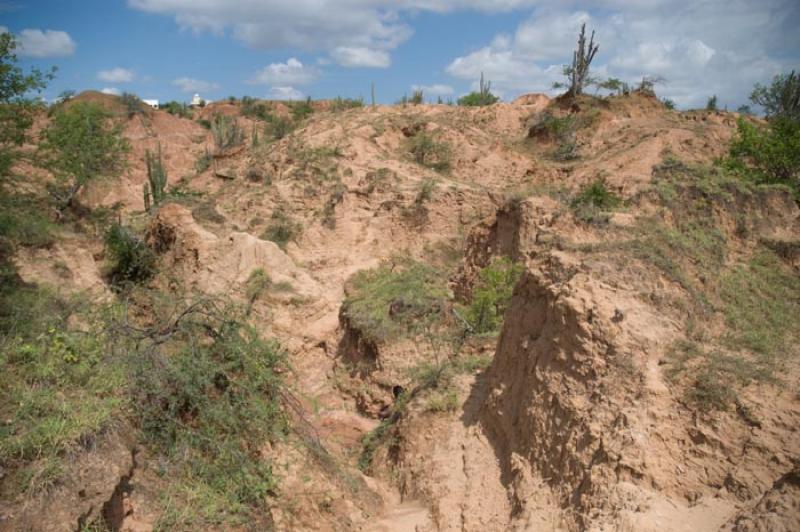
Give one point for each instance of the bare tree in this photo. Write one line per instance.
(578, 73)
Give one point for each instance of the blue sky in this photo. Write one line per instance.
(169, 49)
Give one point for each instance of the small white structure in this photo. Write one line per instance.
(197, 101)
(152, 103)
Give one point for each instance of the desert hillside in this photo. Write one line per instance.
(549, 314)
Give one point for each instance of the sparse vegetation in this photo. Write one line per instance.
(711, 104)
(594, 201)
(343, 104)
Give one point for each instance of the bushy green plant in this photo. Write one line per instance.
(226, 132)
(82, 143)
(492, 294)
(430, 152)
(281, 228)
(594, 201)
(177, 109)
(16, 106)
(711, 104)
(767, 154)
(782, 98)
(417, 97)
(395, 301)
(132, 103)
(131, 261)
(481, 97)
(211, 404)
(203, 162)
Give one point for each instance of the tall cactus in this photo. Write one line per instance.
(581, 59)
(157, 176)
(146, 196)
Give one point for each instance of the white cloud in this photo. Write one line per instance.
(194, 85)
(350, 56)
(116, 75)
(352, 27)
(699, 48)
(111, 90)
(285, 93)
(47, 43)
(434, 90)
(292, 72)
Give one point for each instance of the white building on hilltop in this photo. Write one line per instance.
(197, 101)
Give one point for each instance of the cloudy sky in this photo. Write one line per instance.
(170, 49)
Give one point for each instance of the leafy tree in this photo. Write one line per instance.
(81, 144)
(669, 104)
(16, 107)
(711, 104)
(480, 98)
(771, 153)
(768, 154)
(782, 98)
(613, 85)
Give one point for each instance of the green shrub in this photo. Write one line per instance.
(132, 103)
(395, 301)
(781, 100)
(711, 104)
(278, 127)
(203, 162)
(177, 109)
(17, 106)
(669, 104)
(130, 258)
(281, 228)
(492, 294)
(429, 152)
(226, 132)
(417, 97)
(593, 202)
(212, 405)
(767, 154)
(480, 98)
(81, 144)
